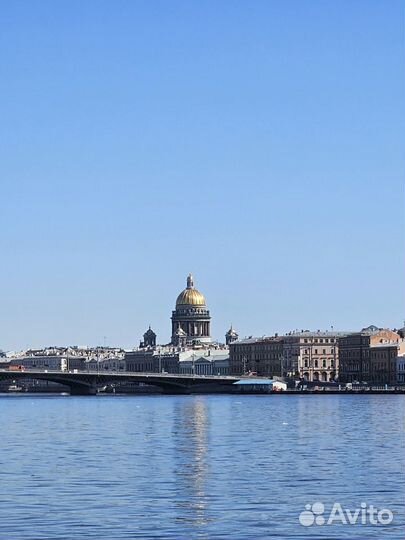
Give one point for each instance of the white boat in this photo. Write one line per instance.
(15, 388)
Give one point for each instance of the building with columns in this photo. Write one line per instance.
(191, 350)
(191, 321)
(312, 356)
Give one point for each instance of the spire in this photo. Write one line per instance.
(190, 282)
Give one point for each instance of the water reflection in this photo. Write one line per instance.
(190, 434)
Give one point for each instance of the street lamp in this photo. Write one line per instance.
(244, 365)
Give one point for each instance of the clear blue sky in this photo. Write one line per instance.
(259, 145)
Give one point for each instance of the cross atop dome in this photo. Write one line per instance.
(190, 281)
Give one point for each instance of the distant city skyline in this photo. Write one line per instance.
(258, 146)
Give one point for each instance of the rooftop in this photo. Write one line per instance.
(395, 343)
(295, 334)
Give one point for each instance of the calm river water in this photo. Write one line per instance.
(191, 467)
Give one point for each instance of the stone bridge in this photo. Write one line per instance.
(87, 382)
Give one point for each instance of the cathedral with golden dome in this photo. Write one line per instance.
(191, 319)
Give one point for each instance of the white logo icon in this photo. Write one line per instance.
(312, 515)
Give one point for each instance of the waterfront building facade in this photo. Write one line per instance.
(401, 369)
(70, 358)
(116, 364)
(208, 362)
(49, 363)
(310, 356)
(263, 356)
(384, 362)
(191, 320)
(159, 360)
(370, 356)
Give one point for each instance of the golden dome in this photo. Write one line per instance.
(190, 296)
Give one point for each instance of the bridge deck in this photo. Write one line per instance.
(88, 381)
